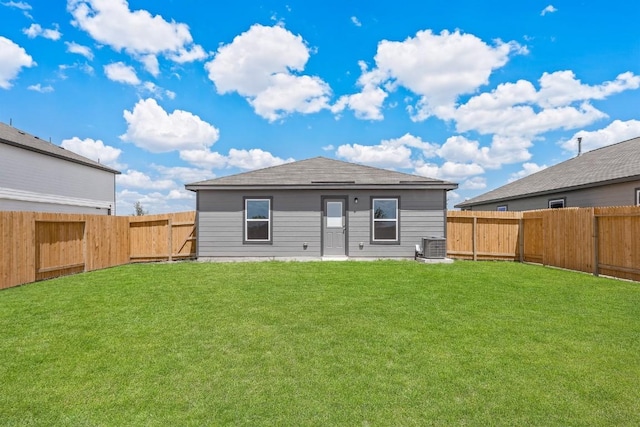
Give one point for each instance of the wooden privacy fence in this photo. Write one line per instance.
(36, 246)
(602, 240)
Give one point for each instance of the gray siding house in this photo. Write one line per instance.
(318, 208)
(607, 176)
(39, 176)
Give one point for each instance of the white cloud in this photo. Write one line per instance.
(174, 200)
(182, 174)
(95, 150)
(151, 64)
(136, 179)
(507, 149)
(180, 194)
(390, 153)
(156, 91)
(519, 109)
(548, 9)
(84, 67)
(119, 72)
(527, 169)
(502, 150)
(183, 55)
(562, 88)
(427, 149)
(356, 21)
(254, 159)
(368, 103)
(437, 67)
(243, 159)
(288, 94)
(12, 59)
(42, 89)
(139, 33)
(259, 64)
(616, 131)
(150, 127)
(461, 149)
(79, 49)
(475, 183)
(36, 30)
(450, 171)
(21, 5)
(18, 5)
(162, 191)
(204, 158)
(462, 157)
(383, 155)
(247, 64)
(440, 67)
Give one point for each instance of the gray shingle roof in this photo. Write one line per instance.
(614, 163)
(17, 138)
(321, 172)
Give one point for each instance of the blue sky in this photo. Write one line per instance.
(175, 91)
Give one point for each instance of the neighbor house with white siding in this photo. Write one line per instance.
(607, 176)
(318, 208)
(36, 175)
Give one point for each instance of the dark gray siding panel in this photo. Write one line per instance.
(297, 217)
(295, 221)
(622, 194)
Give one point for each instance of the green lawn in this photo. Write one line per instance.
(347, 343)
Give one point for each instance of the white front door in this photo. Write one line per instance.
(334, 227)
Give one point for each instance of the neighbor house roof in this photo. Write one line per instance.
(320, 172)
(607, 165)
(18, 138)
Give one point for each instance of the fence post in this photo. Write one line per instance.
(474, 230)
(596, 243)
(521, 237)
(170, 229)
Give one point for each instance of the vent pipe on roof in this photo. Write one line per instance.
(579, 146)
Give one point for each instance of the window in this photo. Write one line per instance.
(637, 196)
(502, 208)
(384, 220)
(556, 203)
(257, 216)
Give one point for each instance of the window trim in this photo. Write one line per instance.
(245, 221)
(562, 199)
(637, 196)
(372, 221)
(502, 208)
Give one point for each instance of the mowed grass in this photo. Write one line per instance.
(296, 344)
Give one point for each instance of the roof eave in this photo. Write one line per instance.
(405, 186)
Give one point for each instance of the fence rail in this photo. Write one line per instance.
(36, 246)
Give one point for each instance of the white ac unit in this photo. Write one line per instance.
(434, 247)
